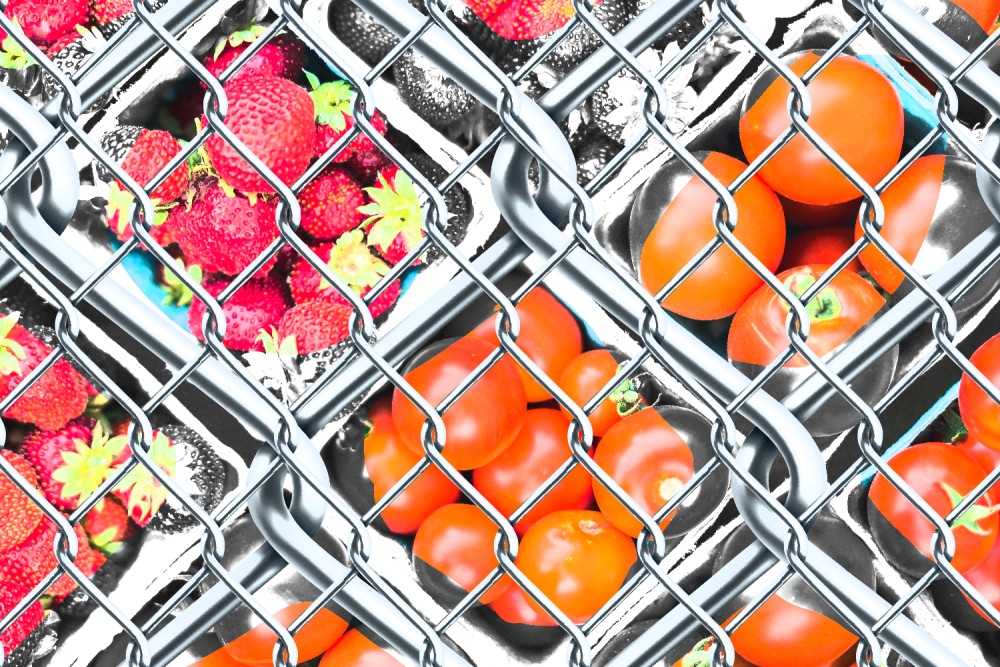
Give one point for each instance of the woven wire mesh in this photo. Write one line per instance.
(287, 435)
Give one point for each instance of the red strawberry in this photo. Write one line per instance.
(257, 305)
(349, 258)
(108, 525)
(34, 559)
(11, 595)
(18, 513)
(63, 42)
(365, 166)
(314, 326)
(72, 462)
(282, 56)
(395, 222)
(58, 396)
(523, 19)
(274, 118)
(330, 204)
(45, 21)
(224, 233)
(334, 118)
(106, 11)
(140, 492)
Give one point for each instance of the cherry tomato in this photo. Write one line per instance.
(686, 226)
(586, 375)
(577, 559)
(387, 460)
(980, 412)
(987, 457)
(855, 110)
(984, 12)
(540, 448)
(549, 336)
(457, 541)
(479, 425)
(758, 333)
(822, 245)
(522, 624)
(649, 460)
(910, 203)
(957, 608)
(219, 658)
(356, 650)
(942, 475)
(255, 648)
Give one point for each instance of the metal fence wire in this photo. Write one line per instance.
(555, 220)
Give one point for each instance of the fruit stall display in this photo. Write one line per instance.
(513, 450)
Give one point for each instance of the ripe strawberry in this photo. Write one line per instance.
(18, 642)
(58, 396)
(313, 326)
(140, 492)
(365, 166)
(106, 11)
(223, 232)
(108, 525)
(63, 42)
(330, 204)
(72, 462)
(34, 559)
(274, 118)
(334, 118)
(18, 513)
(258, 304)
(45, 21)
(523, 19)
(282, 56)
(395, 223)
(348, 258)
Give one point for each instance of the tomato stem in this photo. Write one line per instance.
(626, 397)
(953, 430)
(971, 517)
(824, 306)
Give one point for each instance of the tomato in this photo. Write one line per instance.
(822, 245)
(457, 541)
(219, 658)
(586, 375)
(942, 475)
(980, 413)
(577, 559)
(520, 623)
(984, 12)
(987, 457)
(318, 634)
(684, 226)
(846, 304)
(479, 425)
(957, 608)
(649, 460)
(549, 336)
(513, 606)
(855, 110)
(387, 460)
(356, 650)
(539, 449)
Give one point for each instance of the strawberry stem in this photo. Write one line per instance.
(11, 352)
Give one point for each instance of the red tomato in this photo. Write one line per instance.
(942, 475)
(513, 606)
(387, 460)
(822, 245)
(909, 202)
(855, 110)
(984, 12)
(985, 578)
(686, 226)
(457, 541)
(549, 336)
(479, 425)
(318, 634)
(758, 334)
(980, 413)
(649, 460)
(577, 559)
(586, 375)
(987, 457)
(539, 449)
(356, 650)
(219, 658)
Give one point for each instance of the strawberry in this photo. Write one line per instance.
(523, 19)
(224, 232)
(18, 513)
(366, 165)
(63, 42)
(18, 642)
(334, 118)
(106, 11)
(395, 223)
(283, 56)
(12, 55)
(311, 326)
(34, 559)
(72, 462)
(258, 304)
(140, 492)
(58, 396)
(108, 525)
(348, 258)
(430, 94)
(45, 21)
(330, 204)
(273, 117)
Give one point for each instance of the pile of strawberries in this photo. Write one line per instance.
(216, 214)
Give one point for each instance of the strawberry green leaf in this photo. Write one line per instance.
(177, 292)
(394, 210)
(13, 55)
(85, 469)
(332, 102)
(273, 344)
(145, 494)
(351, 259)
(107, 540)
(11, 352)
(118, 208)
